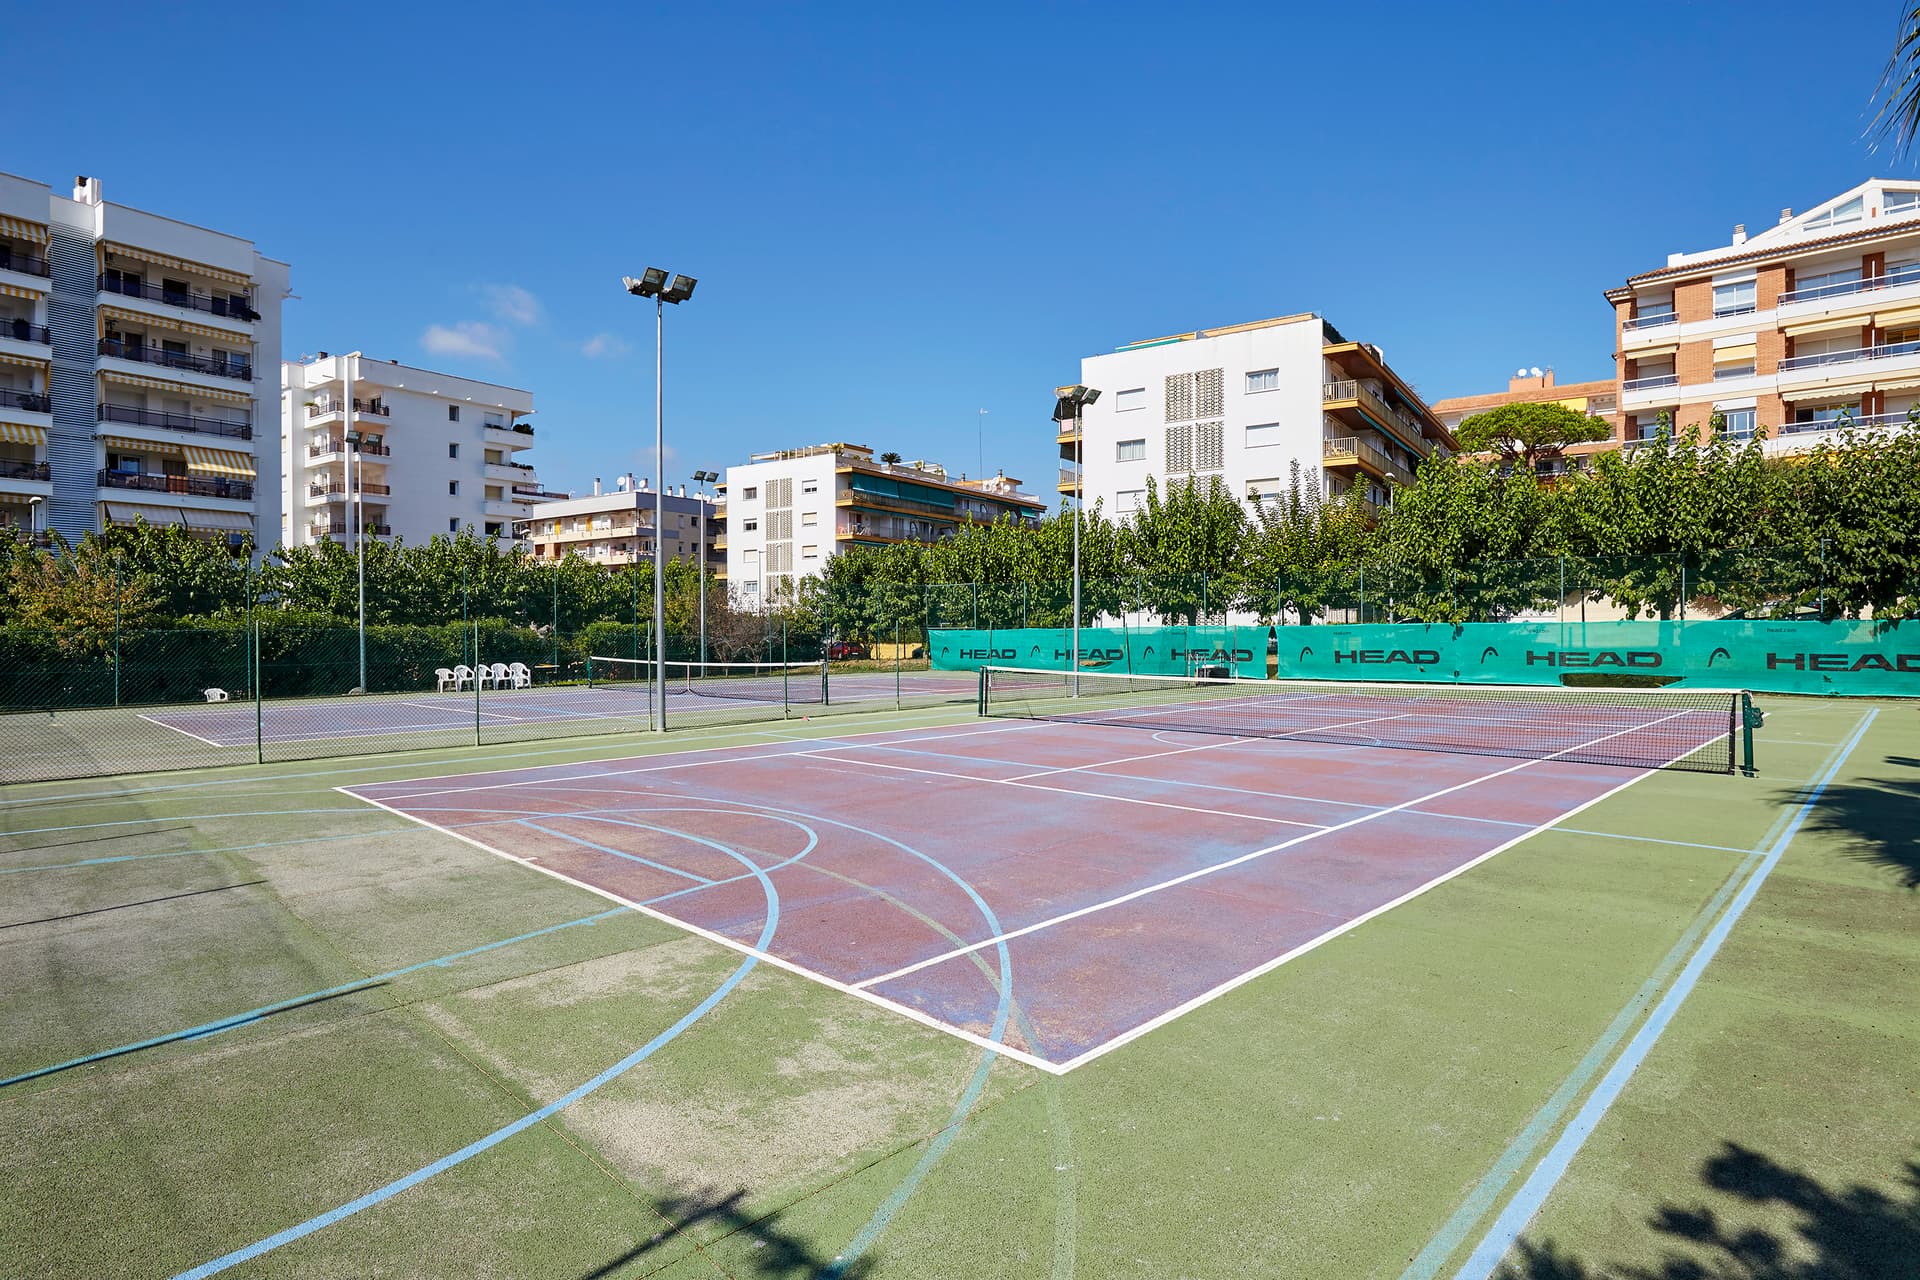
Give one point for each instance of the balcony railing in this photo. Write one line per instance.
(1733, 371)
(340, 527)
(1865, 422)
(27, 264)
(31, 401)
(323, 490)
(174, 421)
(25, 471)
(1372, 455)
(518, 428)
(340, 446)
(1651, 382)
(1892, 280)
(233, 306)
(219, 366)
(860, 497)
(1882, 351)
(192, 486)
(1652, 320)
(24, 331)
(1354, 389)
(326, 405)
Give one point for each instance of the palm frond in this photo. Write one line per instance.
(1898, 92)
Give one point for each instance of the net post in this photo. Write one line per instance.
(826, 699)
(786, 703)
(589, 671)
(259, 713)
(476, 682)
(1744, 705)
(982, 703)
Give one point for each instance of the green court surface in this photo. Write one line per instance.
(1684, 1025)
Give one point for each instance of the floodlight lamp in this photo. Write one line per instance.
(1088, 395)
(680, 290)
(651, 281)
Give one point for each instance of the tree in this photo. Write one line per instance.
(1300, 549)
(1898, 92)
(80, 597)
(1523, 434)
(1187, 544)
(891, 458)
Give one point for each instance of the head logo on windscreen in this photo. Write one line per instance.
(1719, 652)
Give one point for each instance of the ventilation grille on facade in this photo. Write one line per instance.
(72, 457)
(1210, 446)
(780, 494)
(779, 557)
(779, 525)
(1180, 449)
(1207, 396)
(1179, 397)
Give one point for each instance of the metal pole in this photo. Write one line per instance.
(659, 511)
(359, 512)
(1079, 501)
(700, 551)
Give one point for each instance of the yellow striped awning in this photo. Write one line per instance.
(21, 229)
(21, 433)
(185, 326)
(174, 388)
(1842, 392)
(1829, 325)
(21, 291)
(133, 444)
(113, 250)
(1658, 351)
(1895, 384)
(30, 362)
(128, 512)
(1905, 318)
(1742, 354)
(219, 462)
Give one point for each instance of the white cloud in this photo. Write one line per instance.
(471, 338)
(512, 304)
(605, 344)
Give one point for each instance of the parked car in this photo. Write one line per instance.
(845, 650)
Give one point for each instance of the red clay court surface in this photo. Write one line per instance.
(1118, 876)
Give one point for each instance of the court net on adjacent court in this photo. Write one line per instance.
(778, 683)
(1693, 729)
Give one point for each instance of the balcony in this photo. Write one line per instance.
(339, 528)
(859, 498)
(25, 471)
(1351, 451)
(1650, 321)
(29, 401)
(174, 422)
(190, 486)
(27, 264)
(1335, 396)
(1882, 351)
(339, 447)
(219, 366)
(1846, 288)
(1651, 382)
(341, 492)
(505, 432)
(327, 405)
(1727, 372)
(233, 306)
(25, 331)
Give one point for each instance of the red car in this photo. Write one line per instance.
(845, 650)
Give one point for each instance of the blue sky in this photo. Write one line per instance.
(901, 215)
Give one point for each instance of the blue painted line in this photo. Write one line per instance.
(1533, 1193)
(183, 853)
(215, 1027)
(491, 1140)
(189, 817)
(618, 853)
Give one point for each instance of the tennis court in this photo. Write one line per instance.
(1117, 851)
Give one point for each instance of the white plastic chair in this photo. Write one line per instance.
(462, 674)
(521, 676)
(502, 678)
(445, 676)
(483, 675)
(214, 695)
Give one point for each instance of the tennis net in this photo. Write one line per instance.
(1691, 729)
(775, 683)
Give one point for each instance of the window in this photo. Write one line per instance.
(1268, 493)
(1130, 399)
(1127, 501)
(750, 558)
(750, 493)
(1826, 416)
(1901, 201)
(1646, 426)
(1812, 285)
(809, 486)
(1261, 435)
(453, 450)
(1821, 344)
(809, 551)
(749, 526)
(1838, 216)
(494, 493)
(809, 519)
(493, 529)
(1263, 380)
(453, 413)
(1737, 424)
(1899, 337)
(1130, 451)
(453, 488)
(453, 524)
(1736, 298)
(1734, 361)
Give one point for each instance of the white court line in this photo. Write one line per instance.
(1215, 868)
(196, 737)
(906, 1011)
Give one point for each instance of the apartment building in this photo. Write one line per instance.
(436, 453)
(1243, 404)
(130, 387)
(787, 513)
(1599, 399)
(1812, 323)
(616, 527)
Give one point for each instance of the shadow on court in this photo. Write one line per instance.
(122, 906)
(771, 1252)
(1838, 1233)
(1874, 819)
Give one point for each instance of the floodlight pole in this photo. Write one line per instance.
(360, 515)
(1079, 501)
(659, 513)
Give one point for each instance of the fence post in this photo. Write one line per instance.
(1683, 586)
(259, 685)
(1823, 579)
(786, 703)
(556, 618)
(116, 631)
(896, 658)
(476, 682)
(973, 590)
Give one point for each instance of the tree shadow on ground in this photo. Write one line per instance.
(771, 1251)
(1875, 819)
(1849, 1233)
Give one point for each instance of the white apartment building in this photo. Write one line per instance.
(131, 386)
(1811, 323)
(787, 512)
(616, 528)
(1243, 404)
(436, 452)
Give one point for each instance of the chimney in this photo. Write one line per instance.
(629, 479)
(596, 486)
(86, 190)
(1546, 379)
(1739, 233)
(1786, 215)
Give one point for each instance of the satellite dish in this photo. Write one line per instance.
(1536, 371)
(1520, 372)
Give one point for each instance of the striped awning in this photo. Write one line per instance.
(1831, 324)
(224, 521)
(114, 249)
(1895, 384)
(218, 462)
(21, 291)
(133, 444)
(174, 388)
(1740, 354)
(1905, 318)
(128, 512)
(21, 229)
(21, 433)
(1844, 391)
(1658, 351)
(28, 362)
(185, 326)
